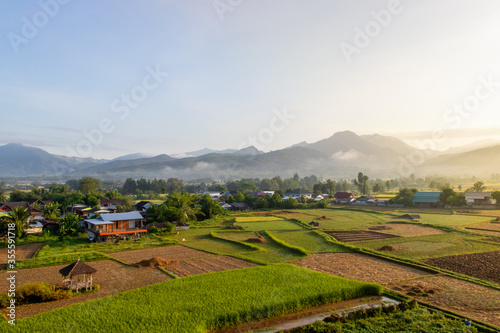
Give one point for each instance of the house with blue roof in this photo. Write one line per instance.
(427, 199)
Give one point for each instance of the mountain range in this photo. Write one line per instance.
(342, 155)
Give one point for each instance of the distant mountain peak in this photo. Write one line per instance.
(248, 151)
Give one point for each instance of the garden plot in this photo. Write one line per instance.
(111, 276)
(205, 265)
(359, 267)
(466, 298)
(175, 252)
(359, 236)
(406, 229)
(485, 266)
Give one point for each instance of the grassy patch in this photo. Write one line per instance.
(61, 259)
(412, 320)
(345, 219)
(54, 247)
(201, 239)
(201, 302)
(272, 252)
(450, 220)
(433, 246)
(293, 248)
(309, 240)
(243, 219)
(270, 225)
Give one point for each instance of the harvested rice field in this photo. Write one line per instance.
(359, 267)
(485, 266)
(466, 298)
(175, 252)
(406, 229)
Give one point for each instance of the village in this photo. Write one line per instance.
(111, 249)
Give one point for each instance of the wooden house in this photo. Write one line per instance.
(114, 224)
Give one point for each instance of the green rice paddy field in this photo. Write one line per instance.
(308, 240)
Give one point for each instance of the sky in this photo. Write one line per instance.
(107, 78)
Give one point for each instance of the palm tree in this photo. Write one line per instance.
(51, 211)
(184, 203)
(19, 216)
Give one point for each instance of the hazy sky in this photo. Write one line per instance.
(90, 77)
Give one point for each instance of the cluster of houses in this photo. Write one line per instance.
(108, 223)
(479, 200)
(132, 223)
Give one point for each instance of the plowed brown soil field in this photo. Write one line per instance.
(174, 252)
(466, 298)
(22, 252)
(485, 266)
(359, 267)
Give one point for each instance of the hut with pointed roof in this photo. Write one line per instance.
(77, 276)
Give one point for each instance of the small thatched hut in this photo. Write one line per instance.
(77, 276)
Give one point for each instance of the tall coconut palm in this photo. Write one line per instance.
(19, 216)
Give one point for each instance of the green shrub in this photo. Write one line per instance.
(38, 292)
(34, 292)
